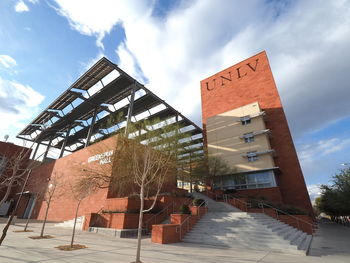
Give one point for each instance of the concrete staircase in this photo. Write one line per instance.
(214, 206)
(226, 226)
(70, 223)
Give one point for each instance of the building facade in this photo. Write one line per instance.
(245, 125)
(79, 131)
(14, 160)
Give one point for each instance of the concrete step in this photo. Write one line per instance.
(245, 230)
(70, 223)
(253, 240)
(305, 244)
(298, 238)
(222, 243)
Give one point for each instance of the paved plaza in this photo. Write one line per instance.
(17, 247)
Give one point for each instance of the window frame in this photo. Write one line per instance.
(245, 120)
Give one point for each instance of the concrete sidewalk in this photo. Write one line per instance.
(17, 247)
(331, 239)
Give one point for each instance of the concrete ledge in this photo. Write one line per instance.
(119, 233)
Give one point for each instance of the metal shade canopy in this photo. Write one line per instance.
(82, 113)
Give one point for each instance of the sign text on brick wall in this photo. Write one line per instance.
(238, 74)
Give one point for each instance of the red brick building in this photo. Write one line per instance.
(14, 161)
(80, 127)
(244, 123)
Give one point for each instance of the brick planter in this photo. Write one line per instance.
(126, 204)
(165, 234)
(255, 210)
(174, 232)
(114, 220)
(198, 210)
(178, 218)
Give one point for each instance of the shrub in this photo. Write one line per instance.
(188, 195)
(184, 209)
(198, 202)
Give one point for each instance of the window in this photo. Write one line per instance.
(245, 120)
(2, 163)
(254, 180)
(248, 137)
(252, 156)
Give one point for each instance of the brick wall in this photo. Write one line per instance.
(11, 152)
(68, 169)
(246, 82)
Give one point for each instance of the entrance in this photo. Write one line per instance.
(30, 207)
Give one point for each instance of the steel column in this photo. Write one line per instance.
(131, 108)
(47, 149)
(35, 151)
(65, 142)
(91, 128)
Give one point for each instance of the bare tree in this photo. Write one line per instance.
(210, 168)
(80, 190)
(144, 160)
(150, 160)
(14, 168)
(38, 188)
(4, 231)
(48, 194)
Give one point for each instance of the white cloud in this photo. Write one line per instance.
(97, 18)
(21, 7)
(310, 152)
(7, 61)
(18, 104)
(307, 44)
(314, 191)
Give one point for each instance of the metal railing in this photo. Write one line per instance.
(261, 205)
(169, 208)
(164, 213)
(298, 220)
(236, 201)
(179, 228)
(211, 194)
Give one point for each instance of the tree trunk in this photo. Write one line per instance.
(4, 231)
(139, 230)
(46, 213)
(27, 223)
(29, 216)
(75, 223)
(8, 190)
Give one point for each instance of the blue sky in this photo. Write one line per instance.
(172, 45)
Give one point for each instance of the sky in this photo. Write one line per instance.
(169, 46)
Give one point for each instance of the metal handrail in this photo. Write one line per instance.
(247, 205)
(262, 204)
(146, 223)
(179, 227)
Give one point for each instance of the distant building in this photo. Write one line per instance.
(245, 125)
(11, 155)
